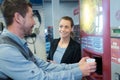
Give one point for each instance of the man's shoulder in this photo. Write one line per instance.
(4, 40)
(6, 47)
(8, 51)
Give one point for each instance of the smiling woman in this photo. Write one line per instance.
(65, 49)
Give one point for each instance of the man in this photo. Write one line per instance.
(14, 64)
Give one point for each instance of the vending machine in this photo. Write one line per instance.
(115, 39)
(115, 57)
(95, 36)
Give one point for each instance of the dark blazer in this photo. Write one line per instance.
(72, 53)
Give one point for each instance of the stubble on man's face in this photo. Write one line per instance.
(29, 22)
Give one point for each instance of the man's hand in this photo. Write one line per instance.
(86, 67)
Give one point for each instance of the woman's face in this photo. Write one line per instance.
(65, 28)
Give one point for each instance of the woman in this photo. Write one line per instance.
(65, 49)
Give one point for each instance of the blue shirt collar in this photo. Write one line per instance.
(22, 42)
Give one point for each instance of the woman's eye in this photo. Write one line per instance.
(66, 26)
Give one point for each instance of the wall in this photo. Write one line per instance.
(40, 39)
(115, 13)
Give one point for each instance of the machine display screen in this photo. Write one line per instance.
(91, 25)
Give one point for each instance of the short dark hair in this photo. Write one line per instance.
(69, 19)
(10, 7)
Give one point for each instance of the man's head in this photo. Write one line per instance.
(10, 7)
(18, 15)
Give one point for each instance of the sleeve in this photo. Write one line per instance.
(54, 67)
(17, 67)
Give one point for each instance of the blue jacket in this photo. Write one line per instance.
(14, 65)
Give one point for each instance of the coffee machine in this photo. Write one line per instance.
(95, 36)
